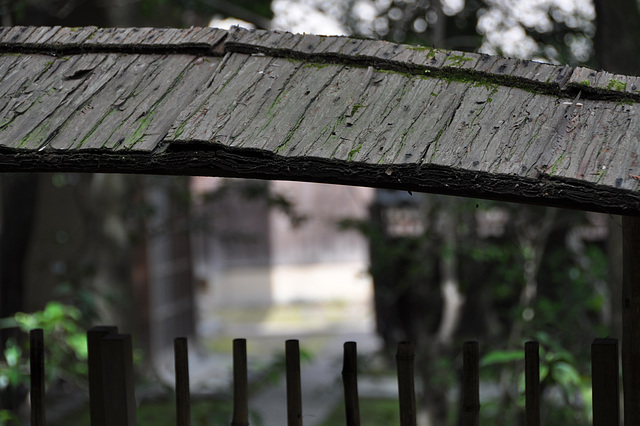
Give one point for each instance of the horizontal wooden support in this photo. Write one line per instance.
(244, 163)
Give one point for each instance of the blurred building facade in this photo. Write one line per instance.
(260, 251)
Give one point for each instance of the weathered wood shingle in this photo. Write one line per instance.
(306, 107)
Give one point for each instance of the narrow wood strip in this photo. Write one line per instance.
(605, 382)
(470, 385)
(183, 395)
(631, 319)
(350, 383)
(240, 384)
(96, 381)
(532, 383)
(406, 388)
(294, 388)
(36, 338)
(117, 370)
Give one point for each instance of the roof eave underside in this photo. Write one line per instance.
(325, 109)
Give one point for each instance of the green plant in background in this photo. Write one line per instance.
(7, 416)
(560, 377)
(66, 349)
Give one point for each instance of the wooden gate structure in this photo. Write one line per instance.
(273, 105)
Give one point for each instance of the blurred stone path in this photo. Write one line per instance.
(320, 376)
(320, 382)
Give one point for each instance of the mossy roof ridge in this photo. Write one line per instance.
(415, 60)
(530, 75)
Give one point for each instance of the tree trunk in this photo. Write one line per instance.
(617, 49)
(19, 194)
(617, 39)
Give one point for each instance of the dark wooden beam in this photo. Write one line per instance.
(631, 319)
(216, 160)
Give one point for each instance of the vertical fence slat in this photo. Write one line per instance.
(294, 387)
(350, 383)
(183, 395)
(117, 370)
(605, 382)
(532, 383)
(470, 384)
(36, 361)
(630, 319)
(240, 384)
(96, 384)
(406, 389)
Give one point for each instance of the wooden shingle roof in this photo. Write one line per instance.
(275, 105)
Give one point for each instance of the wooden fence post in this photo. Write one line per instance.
(470, 384)
(294, 388)
(117, 371)
(532, 383)
(183, 393)
(605, 383)
(631, 319)
(406, 389)
(350, 384)
(36, 362)
(240, 384)
(96, 383)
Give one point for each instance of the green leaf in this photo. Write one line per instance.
(501, 357)
(565, 373)
(54, 311)
(12, 353)
(6, 416)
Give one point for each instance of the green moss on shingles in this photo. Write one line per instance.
(289, 136)
(419, 48)
(316, 65)
(355, 108)
(95, 127)
(179, 130)
(457, 60)
(435, 143)
(555, 165)
(354, 151)
(617, 85)
(139, 133)
(36, 135)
